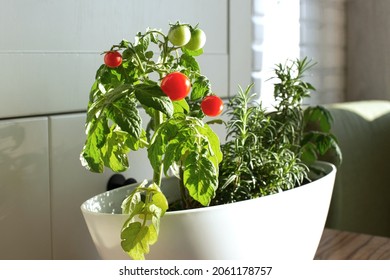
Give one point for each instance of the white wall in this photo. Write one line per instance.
(24, 189)
(276, 37)
(50, 49)
(49, 52)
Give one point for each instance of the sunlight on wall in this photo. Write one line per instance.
(276, 38)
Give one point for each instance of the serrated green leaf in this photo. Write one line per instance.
(181, 106)
(160, 201)
(156, 152)
(136, 236)
(189, 63)
(91, 155)
(200, 88)
(100, 72)
(192, 53)
(135, 240)
(157, 148)
(171, 154)
(124, 112)
(131, 204)
(199, 178)
(153, 96)
(115, 152)
(214, 144)
(94, 92)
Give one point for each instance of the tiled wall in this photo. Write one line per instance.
(24, 189)
(49, 53)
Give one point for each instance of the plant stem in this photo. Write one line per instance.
(183, 191)
(157, 175)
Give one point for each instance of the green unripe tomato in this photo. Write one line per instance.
(179, 35)
(197, 41)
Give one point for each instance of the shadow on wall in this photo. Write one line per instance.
(24, 191)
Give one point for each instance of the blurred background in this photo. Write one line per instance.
(51, 49)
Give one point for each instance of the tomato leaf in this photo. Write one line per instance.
(214, 147)
(181, 106)
(153, 96)
(200, 88)
(115, 153)
(199, 177)
(157, 149)
(192, 53)
(91, 156)
(136, 236)
(171, 155)
(189, 63)
(135, 240)
(124, 112)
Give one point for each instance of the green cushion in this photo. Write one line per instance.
(361, 197)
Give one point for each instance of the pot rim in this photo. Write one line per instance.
(330, 169)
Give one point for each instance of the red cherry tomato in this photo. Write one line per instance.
(212, 105)
(176, 85)
(113, 59)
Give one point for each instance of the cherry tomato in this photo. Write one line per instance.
(176, 85)
(113, 59)
(197, 41)
(212, 105)
(179, 35)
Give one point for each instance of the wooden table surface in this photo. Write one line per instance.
(342, 245)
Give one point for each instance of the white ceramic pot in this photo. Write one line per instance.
(287, 225)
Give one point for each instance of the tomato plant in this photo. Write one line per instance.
(154, 77)
(179, 35)
(113, 59)
(212, 105)
(197, 41)
(176, 85)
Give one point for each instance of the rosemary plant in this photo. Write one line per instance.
(268, 152)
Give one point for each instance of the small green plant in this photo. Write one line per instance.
(270, 151)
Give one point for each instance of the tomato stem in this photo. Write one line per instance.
(157, 174)
(183, 193)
